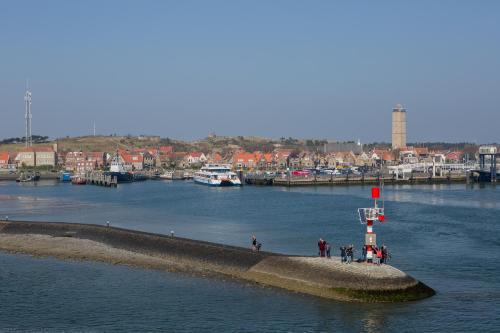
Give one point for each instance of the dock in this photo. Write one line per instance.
(320, 180)
(100, 179)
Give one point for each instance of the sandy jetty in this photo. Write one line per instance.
(311, 275)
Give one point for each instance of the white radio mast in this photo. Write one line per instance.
(94, 127)
(27, 116)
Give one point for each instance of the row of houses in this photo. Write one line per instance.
(166, 157)
(29, 157)
(283, 158)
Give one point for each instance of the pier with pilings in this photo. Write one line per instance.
(100, 178)
(367, 180)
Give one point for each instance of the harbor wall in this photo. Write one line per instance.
(358, 180)
(310, 275)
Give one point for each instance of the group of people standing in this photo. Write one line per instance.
(324, 249)
(347, 254)
(380, 254)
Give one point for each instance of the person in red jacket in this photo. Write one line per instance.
(379, 255)
(321, 247)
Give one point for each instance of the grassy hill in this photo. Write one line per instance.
(219, 143)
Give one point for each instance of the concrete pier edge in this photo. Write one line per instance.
(308, 275)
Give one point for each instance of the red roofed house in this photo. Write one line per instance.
(454, 157)
(166, 149)
(73, 160)
(266, 161)
(97, 157)
(281, 157)
(131, 161)
(388, 158)
(4, 160)
(196, 157)
(214, 158)
(243, 159)
(422, 152)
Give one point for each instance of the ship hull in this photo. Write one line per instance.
(215, 182)
(121, 177)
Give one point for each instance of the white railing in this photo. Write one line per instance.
(431, 167)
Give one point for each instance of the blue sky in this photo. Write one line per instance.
(323, 69)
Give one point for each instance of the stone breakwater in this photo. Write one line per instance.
(310, 275)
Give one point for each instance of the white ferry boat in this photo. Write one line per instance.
(217, 175)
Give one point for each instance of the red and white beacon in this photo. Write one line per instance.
(367, 216)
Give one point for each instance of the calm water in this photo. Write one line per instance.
(446, 236)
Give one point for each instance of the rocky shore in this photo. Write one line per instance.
(310, 275)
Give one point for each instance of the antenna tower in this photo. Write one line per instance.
(27, 116)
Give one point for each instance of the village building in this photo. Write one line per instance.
(176, 159)
(73, 160)
(282, 157)
(149, 160)
(422, 152)
(26, 158)
(131, 160)
(98, 158)
(363, 159)
(330, 161)
(244, 160)
(166, 149)
(345, 158)
(196, 157)
(265, 161)
(307, 160)
(214, 158)
(45, 156)
(4, 160)
(455, 157)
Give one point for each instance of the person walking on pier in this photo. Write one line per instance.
(328, 249)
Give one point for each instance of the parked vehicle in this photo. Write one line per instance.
(303, 173)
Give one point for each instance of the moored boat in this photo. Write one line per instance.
(169, 175)
(66, 176)
(116, 170)
(216, 175)
(78, 180)
(32, 177)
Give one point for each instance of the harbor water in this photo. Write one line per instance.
(444, 235)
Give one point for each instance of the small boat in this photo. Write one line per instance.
(187, 175)
(23, 178)
(66, 177)
(167, 175)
